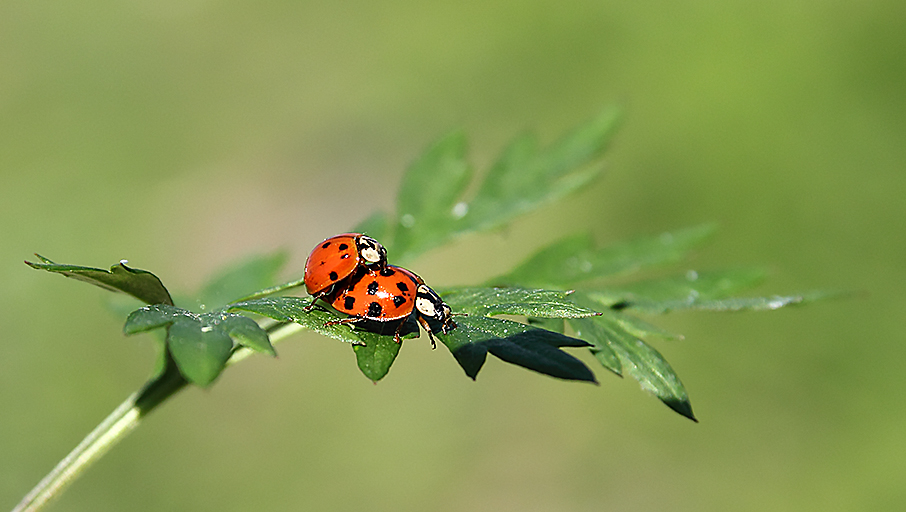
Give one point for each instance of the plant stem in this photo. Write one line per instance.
(123, 420)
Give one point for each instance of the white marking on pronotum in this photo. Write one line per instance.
(369, 249)
(371, 254)
(425, 306)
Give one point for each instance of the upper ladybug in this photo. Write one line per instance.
(337, 257)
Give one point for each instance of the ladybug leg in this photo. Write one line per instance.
(345, 321)
(311, 305)
(427, 328)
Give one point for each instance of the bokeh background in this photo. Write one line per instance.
(185, 135)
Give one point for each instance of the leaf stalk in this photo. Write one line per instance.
(123, 420)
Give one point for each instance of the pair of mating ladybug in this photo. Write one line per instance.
(350, 272)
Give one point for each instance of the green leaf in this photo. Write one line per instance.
(639, 327)
(704, 292)
(432, 208)
(153, 317)
(141, 284)
(375, 357)
(200, 354)
(593, 332)
(246, 332)
(376, 226)
(573, 260)
(525, 177)
(431, 188)
(734, 303)
(241, 279)
(293, 309)
(197, 342)
(519, 344)
(638, 359)
(514, 301)
(375, 352)
(662, 294)
(548, 324)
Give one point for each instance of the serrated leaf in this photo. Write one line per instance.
(375, 351)
(554, 264)
(515, 343)
(638, 327)
(246, 332)
(662, 294)
(154, 317)
(201, 364)
(704, 292)
(524, 177)
(638, 359)
(141, 284)
(431, 205)
(200, 353)
(428, 195)
(593, 332)
(240, 280)
(514, 301)
(730, 304)
(294, 309)
(573, 260)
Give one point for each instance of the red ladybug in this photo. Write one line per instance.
(391, 294)
(337, 257)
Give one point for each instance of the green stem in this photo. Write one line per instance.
(119, 423)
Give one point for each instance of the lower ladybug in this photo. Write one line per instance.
(388, 295)
(337, 257)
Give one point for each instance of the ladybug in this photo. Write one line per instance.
(389, 295)
(337, 257)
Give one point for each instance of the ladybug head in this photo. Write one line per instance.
(429, 304)
(371, 250)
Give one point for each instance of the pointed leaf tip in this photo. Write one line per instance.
(519, 344)
(141, 284)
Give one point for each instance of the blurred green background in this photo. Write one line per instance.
(184, 135)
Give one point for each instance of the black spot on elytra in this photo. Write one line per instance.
(399, 300)
(348, 302)
(343, 247)
(374, 310)
(403, 287)
(387, 272)
(326, 245)
(343, 257)
(333, 276)
(372, 288)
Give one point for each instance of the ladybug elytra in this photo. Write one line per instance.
(337, 257)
